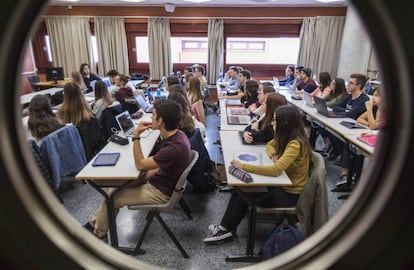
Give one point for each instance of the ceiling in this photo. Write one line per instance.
(212, 3)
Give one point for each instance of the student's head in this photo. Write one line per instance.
(84, 69)
(166, 114)
(76, 77)
(121, 80)
(324, 79)
(289, 126)
(306, 73)
(101, 91)
(194, 86)
(177, 88)
(272, 102)
(338, 86)
(74, 108)
(298, 70)
(112, 74)
(171, 80)
(264, 90)
(356, 82)
(187, 78)
(376, 96)
(290, 70)
(186, 122)
(244, 76)
(251, 87)
(199, 71)
(41, 120)
(233, 72)
(188, 70)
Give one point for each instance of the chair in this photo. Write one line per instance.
(33, 80)
(312, 207)
(155, 210)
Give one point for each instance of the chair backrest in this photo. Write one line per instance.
(312, 206)
(181, 183)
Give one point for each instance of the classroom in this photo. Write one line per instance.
(121, 63)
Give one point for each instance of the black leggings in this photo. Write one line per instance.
(237, 207)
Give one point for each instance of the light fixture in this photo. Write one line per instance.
(197, 1)
(169, 7)
(133, 1)
(330, 1)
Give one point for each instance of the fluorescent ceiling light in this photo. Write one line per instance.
(197, 1)
(330, 1)
(133, 1)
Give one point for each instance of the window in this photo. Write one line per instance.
(141, 49)
(262, 50)
(94, 49)
(49, 50)
(189, 49)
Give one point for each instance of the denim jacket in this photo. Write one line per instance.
(63, 150)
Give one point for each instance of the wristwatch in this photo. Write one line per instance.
(135, 138)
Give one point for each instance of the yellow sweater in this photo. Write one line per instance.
(295, 165)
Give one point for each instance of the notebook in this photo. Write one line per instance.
(368, 139)
(239, 111)
(308, 99)
(125, 123)
(323, 109)
(106, 159)
(238, 119)
(143, 104)
(233, 102)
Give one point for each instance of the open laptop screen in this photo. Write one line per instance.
(125, 123)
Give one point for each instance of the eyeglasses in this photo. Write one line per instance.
(351, 82)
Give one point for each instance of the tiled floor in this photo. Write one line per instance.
(82, 200)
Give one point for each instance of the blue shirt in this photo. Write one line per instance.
(351, 108)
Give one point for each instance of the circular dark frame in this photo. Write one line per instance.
(373, 230)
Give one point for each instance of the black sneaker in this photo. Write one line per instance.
(218, 234)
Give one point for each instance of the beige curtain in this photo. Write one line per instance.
(320, 43)
(159, 47)
(215, 49)
(70, 39)
(112, 45)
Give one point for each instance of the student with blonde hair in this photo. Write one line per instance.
(196, 100)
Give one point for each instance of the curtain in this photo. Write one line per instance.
(159, 47)
(112, 45)
(320, 44)
(70, 39)
(215, 49)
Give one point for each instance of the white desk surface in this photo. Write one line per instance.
(223, 119)
(25, 99)
(231, 142)
(125, 167)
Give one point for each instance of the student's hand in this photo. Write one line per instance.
(255, 125)
(367, 134)
(369, 104)
(247, 136)
(274, 158)
(142, 126)
(222, 97)
(236, 163)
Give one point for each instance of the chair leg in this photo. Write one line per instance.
(161, 221)
(149, 218)
(185, 208)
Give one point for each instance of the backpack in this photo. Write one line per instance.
(281, 239)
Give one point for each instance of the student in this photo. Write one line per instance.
(42, 121)
(257, 110)
(102, 99)
(306, 82)
(171, 80)
(290, 76)
(298, 78)
(291, 153)
(262, 130)
(196, 100)
(159, 173)
(76, 77)
(234, 80)
(124, 91)
(87, 76)
(239, 93)
(338, 92)
(371, 117)
(184, 79)
(324, 88)
(77, 111)
(199, 72)
(250, 97)
(188, 76)
(112, 75)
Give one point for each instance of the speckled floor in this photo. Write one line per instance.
(82, 200)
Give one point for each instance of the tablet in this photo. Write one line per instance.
(106, 159)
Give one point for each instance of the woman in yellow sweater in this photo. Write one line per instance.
(291, 153)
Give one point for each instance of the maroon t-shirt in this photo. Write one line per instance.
(123, 93)
(172, 159)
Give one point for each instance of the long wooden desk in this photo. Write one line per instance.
(224, 125)
(118, 175)
(231, 142)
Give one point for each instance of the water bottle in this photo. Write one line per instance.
(149, 95)
(276, 85)
(158, 92)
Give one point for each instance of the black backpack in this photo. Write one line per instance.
(281, 239)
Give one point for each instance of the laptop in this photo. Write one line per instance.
(125, 123)
(323, 109)
(308, 99)
(143, 104)
(238, 119)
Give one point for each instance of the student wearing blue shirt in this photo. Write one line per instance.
(290, 76)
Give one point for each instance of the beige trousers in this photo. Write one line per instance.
(143, 194)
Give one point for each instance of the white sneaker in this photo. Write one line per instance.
(219, 235)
